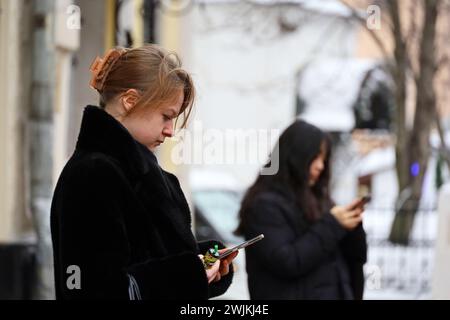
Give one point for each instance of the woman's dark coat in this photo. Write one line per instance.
(297, 260)
(116, 212)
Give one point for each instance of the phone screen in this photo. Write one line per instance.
(241, 246)
(364, 200)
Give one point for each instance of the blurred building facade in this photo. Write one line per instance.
(46, 48)
(245, 57)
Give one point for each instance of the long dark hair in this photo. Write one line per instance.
(297, 147)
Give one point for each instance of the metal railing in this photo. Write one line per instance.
(395, 271)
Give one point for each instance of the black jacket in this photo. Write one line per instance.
(116, 212)
(297, 260)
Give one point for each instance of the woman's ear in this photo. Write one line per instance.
(129, 99)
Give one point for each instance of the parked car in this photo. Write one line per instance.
(216, 198)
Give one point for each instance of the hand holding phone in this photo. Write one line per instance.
(241, 246)
(212, 255)
(362, 202)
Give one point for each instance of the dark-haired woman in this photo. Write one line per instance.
(312, 249)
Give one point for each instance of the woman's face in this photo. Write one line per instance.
(151, 126)
(317, 165)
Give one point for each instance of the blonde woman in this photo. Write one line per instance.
(121, 226)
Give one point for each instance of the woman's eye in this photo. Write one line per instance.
(167, 118)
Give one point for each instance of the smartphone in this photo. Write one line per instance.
(364, 200)
(241, 246)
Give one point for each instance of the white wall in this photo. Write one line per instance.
(441, 278)
(67, 41)
(246, 78)
(13, 98)
(92, 39)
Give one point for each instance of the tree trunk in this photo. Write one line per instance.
(418, 144)
(398, 70)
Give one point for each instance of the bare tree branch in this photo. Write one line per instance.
(412, 36)
(441, 63)
(355, 15)
(444, 149)
(425, 115)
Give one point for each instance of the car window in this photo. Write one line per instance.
(221, 209)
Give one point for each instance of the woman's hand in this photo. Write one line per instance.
(348, 216)
(225, 264)
(213, 272)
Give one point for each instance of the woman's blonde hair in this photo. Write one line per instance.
(150, 69)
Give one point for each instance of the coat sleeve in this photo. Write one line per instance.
(220, 287)
(354, 245)
(281, 251)
(94, 238)
(354, 249)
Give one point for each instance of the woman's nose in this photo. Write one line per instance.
(168, 130)
(319, 166)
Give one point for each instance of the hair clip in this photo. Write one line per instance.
(100, 68)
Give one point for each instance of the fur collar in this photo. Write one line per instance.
(103, 133)
(100, 132)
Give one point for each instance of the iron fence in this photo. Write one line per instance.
(397, 271)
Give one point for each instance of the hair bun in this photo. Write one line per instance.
(100, 67)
